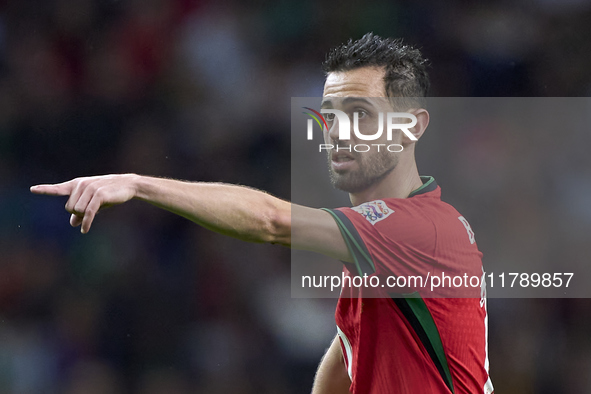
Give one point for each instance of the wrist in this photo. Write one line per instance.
(136, 183)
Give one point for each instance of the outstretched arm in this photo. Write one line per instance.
(237, 211)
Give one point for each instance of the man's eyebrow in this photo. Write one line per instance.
(349, 100)
(346, 100)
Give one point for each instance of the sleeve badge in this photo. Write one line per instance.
(374, 211)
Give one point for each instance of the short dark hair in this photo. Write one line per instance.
(406, 68)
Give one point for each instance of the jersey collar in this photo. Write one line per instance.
(429, 185)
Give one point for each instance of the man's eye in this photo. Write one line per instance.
(329, 117)
(361, 114)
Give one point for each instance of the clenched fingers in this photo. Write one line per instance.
(91, 210)
(89, 194)
(75, 220)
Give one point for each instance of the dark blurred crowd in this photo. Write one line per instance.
(150, 303)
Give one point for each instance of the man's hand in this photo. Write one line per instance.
(89, 195)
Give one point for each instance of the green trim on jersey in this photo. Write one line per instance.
(423, 315)
(427, 181)
(361, 257)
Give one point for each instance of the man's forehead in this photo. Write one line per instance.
(361, 82)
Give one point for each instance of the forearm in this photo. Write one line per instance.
(237, 211)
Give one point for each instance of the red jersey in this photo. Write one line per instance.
(407, 339)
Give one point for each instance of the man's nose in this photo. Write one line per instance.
(334, 131)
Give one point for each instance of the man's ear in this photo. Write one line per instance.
(422, 122)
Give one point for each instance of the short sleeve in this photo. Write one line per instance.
(387, 237)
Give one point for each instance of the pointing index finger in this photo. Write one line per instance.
(58, 189)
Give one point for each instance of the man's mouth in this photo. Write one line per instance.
(341, 161)
(339, 157)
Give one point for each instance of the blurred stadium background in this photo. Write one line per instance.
(149, 303)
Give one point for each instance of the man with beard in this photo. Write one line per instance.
(388, 341)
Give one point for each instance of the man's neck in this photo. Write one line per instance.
(397, 184)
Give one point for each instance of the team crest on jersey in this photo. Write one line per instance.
(374, 211)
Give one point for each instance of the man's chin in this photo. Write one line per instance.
(345, 183)
(354, 182)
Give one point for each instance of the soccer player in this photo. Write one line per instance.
(387, 340)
